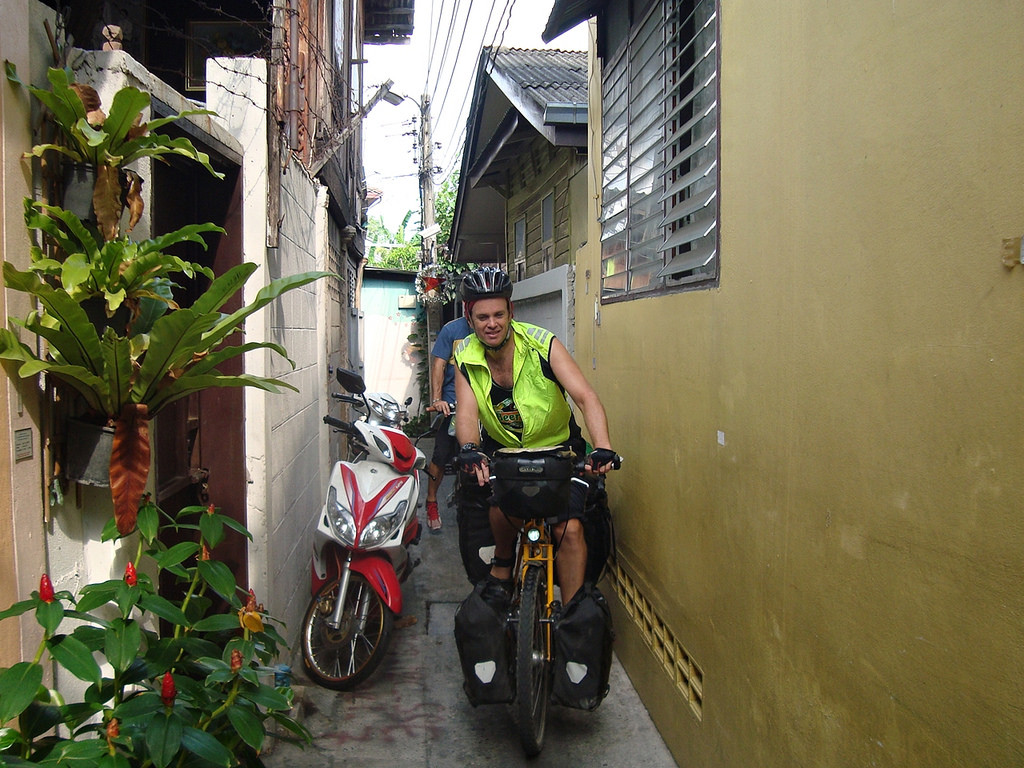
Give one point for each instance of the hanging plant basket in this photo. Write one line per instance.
(88, 453)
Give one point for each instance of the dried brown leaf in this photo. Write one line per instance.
(138, 128)
(129, 464)
(133, 199)
(91, 102)
(106, 201)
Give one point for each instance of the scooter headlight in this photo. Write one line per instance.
(339, 518)
(383, 526)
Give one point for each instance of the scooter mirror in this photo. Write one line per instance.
(351, 381)
(408, 401)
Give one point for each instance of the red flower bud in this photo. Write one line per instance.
(210, 509)
(113, 728)
(250, 604)
(236, 661)
(204, 553)
(45, 589)
(167, 690)
(130, 576)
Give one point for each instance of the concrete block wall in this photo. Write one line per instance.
(285, 439)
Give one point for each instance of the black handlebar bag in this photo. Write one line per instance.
(532, 483)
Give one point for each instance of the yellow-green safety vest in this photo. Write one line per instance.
(541, 400)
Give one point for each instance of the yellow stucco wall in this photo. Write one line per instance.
(22, 546)
(824, 485)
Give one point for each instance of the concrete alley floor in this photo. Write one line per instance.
(413, 711)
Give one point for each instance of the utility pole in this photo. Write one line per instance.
(427, 182)
(427, 223)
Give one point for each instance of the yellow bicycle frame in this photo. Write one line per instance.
(541, 552)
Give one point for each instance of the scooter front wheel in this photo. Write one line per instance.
(343, 657)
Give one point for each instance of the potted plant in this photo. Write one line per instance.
(125, 375)
(108, 143)
(120, 276)
(130, 379)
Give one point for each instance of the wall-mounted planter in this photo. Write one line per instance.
(88, 453)
(79, 181)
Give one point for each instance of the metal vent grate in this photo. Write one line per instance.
(675, 660)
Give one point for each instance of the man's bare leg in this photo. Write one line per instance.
(504, 543)
(571, 559)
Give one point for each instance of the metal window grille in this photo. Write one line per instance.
(660, 152)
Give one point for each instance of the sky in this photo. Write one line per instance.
(440, 60)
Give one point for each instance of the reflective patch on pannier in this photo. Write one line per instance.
(483, 644)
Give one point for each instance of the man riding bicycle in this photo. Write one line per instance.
(513, 378)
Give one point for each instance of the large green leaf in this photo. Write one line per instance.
(23, 606)
(117, 362)
(223, 288)
(82, 345)
(72, 654)
(83, 753)
(72, 237)
(267, 697)
(138, 705)
(18, 686)
(176, 554)
(217, 623)
(126, 105)
(157, 144)
(189, 233)
(124, 638)
(164, 608)
(266, 295)
(163, 737)
(220, 578)
(50, 615)
(212, 529)
(228, 351)
(187, 384)
(172, 342)
(203, 745)
(248, 725)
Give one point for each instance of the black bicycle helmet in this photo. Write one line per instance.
(486, 283)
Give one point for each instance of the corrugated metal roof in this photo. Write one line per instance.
(388, 21)
(545, 75)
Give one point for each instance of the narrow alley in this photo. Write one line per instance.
(413, 712)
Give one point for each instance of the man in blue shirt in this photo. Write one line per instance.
(442, 393)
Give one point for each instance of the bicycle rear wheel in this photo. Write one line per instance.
(533, 674)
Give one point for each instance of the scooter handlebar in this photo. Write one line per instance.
(344, 426)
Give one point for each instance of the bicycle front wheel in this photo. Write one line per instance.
(533, 675)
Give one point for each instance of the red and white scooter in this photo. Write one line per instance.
(362, 539)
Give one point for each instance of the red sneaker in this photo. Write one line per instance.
(433, 517)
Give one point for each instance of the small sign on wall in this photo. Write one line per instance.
(408, 301)
(22, 444)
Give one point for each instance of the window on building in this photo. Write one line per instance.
(547, 231)
(519, 229)
(660, 152)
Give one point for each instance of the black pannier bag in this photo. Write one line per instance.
(583, 650)
(476, 542)
(483, 645)
(598, 530)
